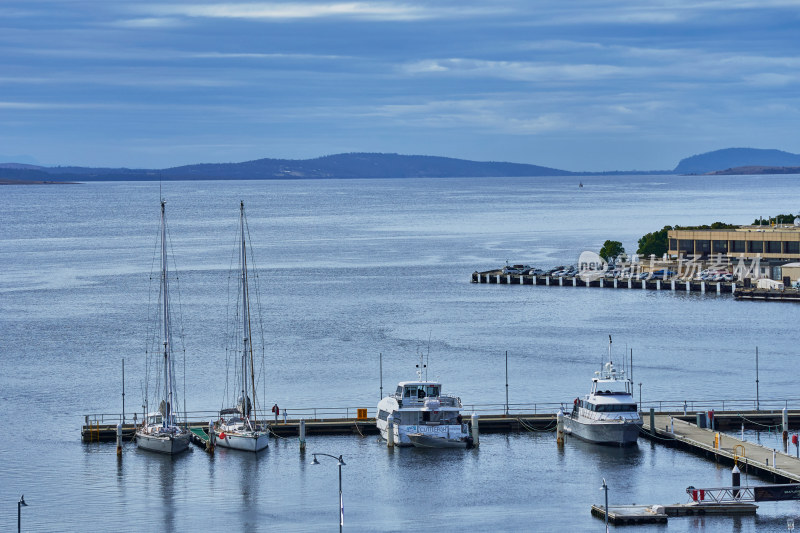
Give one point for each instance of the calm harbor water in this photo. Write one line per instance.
(351, 269)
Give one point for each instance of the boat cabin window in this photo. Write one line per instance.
(411, 392)
(432, 391)
(613, 408)
(399, 391)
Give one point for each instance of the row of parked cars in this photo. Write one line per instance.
(622, 273)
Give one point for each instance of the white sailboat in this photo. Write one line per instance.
(238, 427)
(160, 431)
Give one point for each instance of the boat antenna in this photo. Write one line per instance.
(427, 357)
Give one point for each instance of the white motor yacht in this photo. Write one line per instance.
(423, 416)
(608, 414)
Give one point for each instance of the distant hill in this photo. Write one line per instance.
(738, 171)
(736, 157)
(355, 165)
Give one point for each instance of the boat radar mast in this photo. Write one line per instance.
(422, 366)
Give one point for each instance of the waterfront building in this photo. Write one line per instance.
(770, 246)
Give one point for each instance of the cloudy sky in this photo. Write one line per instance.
(577, 85)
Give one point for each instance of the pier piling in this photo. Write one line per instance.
(560, 428)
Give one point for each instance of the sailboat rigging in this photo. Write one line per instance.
(238, 427)
(160, 431)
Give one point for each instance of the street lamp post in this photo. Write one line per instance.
(341, 463)
(605, 488)
(20, 504)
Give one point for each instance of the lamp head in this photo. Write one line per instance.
(341, 461)
(314, 460)
(22, 501)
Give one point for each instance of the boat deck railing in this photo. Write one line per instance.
(516, 409)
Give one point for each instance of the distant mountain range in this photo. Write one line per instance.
(370, 165)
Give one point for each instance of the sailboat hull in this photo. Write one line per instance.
(252, 442)
(167, 444)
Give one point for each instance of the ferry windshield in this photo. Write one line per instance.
(421, 391)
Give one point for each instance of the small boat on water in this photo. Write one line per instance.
(608, 414)
(423, 416)
(238, 427)
(160, 431)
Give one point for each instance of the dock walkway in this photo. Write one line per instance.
(494, 423)
(752, 457)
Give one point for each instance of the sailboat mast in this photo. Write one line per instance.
(164, 285)
(248, 347)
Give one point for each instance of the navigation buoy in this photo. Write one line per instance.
(736, 478)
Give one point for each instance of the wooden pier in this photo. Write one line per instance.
(674, 285)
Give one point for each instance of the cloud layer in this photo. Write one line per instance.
(620, 84)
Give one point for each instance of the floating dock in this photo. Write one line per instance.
(675, 285)
(495, 423)
(772, 295)
(659, 514)
(489, 423)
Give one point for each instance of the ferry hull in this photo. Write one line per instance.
(402, 434)
(424, 441)
(169, 445)
(249, 443)
(612, 434)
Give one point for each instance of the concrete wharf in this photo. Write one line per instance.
(675, 285)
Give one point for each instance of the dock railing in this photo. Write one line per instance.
(693, 406)
(512, 409)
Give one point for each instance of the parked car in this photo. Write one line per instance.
(515, 269)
